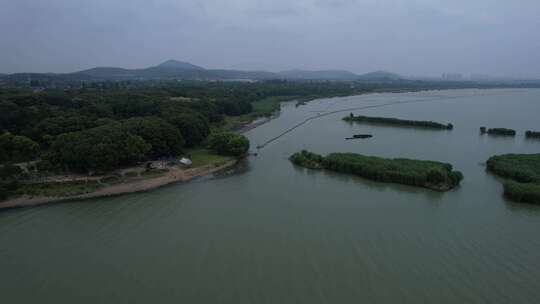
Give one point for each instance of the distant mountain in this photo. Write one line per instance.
(49, 77)
(174, 69)
(319, 75)
(340, 75)
(380, 75)
(235, 74)
(106, 73)
(175, 64)
(168, 69)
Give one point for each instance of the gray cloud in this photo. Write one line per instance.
(414, 37)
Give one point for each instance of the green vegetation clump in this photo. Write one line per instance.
(429, 174)
(163, 137)
(202, 157)
(498, 131)
(398, 122)
(113, 145)
(193, 127)
(228, 143)
(111, 179)
(9, 175)
(17, 148)
(523, 170)
(307, 159)
(59, 189)
(267, 106)
(101, 148)
(522, 192)
(532, 134)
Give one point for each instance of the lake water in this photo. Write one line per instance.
(269, 232)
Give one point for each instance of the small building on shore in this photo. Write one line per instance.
(186, 162)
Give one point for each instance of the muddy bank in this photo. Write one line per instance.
(174, 175)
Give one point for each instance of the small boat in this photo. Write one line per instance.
(359, 136)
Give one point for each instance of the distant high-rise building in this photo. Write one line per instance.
(452, 76)
(481, 77)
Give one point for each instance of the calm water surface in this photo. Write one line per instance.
(273, 233)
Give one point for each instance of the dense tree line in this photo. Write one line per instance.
(89, 130)
(100, 148)
(194, 127)
(17, 148)
(164, 138)
(421, 173)
(157, 119)
(398, 122)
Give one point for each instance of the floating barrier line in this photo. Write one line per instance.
(266, 143)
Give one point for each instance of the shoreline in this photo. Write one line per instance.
(174, 175)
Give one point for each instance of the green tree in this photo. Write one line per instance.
(15, 148)
(165, 139)
(102, 148)
(193, 127)
(226, 143)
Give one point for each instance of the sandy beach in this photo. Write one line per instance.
(174, 175)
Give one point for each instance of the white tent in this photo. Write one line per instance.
(186, 161)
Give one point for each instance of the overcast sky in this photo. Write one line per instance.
(411, 37)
